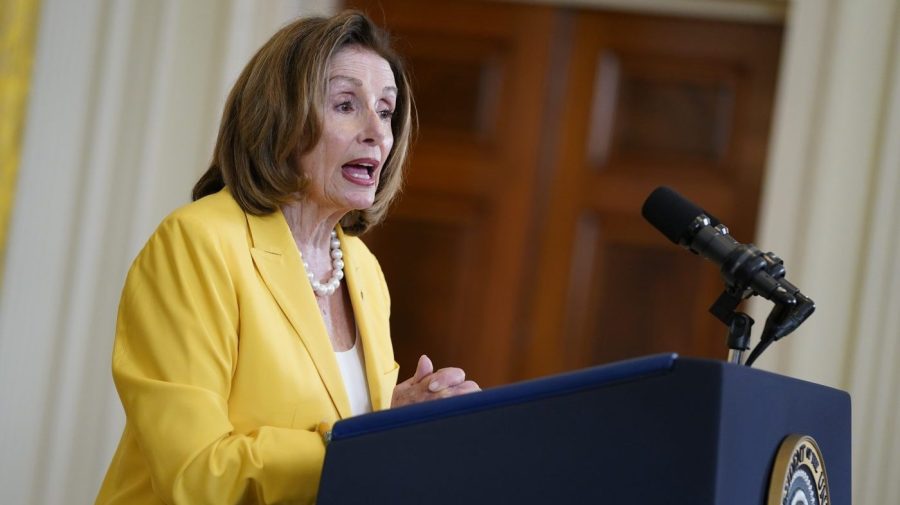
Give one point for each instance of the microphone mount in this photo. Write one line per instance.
(748, 271)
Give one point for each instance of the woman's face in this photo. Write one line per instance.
(344, 167)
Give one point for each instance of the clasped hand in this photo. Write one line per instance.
(426, 384)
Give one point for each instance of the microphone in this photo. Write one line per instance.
(747, 271)
(745, 268)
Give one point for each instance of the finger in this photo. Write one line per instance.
(423, 369)
(445, 378)
(469, 387)
(460, 389)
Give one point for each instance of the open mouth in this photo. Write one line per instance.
(360, 171)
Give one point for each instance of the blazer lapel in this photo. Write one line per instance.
(279, 263)
(372, 321)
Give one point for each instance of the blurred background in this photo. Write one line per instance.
(517, 249)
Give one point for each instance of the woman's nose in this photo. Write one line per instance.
(373, 128)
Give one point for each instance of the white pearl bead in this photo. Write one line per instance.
(335, 243)
(339, 275)
(338, 263)
(337, 254)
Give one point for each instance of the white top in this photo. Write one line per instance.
(353, 371)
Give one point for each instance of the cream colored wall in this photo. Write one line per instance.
(125, 101)
(122, 116)
(831, 209)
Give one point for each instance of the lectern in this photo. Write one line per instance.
(656, 430)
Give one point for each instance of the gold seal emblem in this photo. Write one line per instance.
(798, 476)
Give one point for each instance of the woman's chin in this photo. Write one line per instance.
(360, 201)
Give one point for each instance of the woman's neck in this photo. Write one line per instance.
(311, 230)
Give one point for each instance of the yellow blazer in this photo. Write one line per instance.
(223, 363)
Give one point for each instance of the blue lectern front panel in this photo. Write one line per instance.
(655, 431)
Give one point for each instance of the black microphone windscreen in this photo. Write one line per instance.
(670, 212)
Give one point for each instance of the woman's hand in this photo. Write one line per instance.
(426, 384)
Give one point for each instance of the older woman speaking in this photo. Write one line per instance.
(254, 316)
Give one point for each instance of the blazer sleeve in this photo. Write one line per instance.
(174, 356)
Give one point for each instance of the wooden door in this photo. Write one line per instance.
(453, 249)
(517, 248)
(649, 101)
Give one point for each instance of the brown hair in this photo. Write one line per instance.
(272, 114)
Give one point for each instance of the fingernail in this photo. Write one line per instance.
(434, 386)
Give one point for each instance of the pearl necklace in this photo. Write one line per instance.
(337, 273)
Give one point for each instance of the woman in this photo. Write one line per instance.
(253, 317)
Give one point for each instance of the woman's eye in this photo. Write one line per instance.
(386, 114)
(344, 107)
